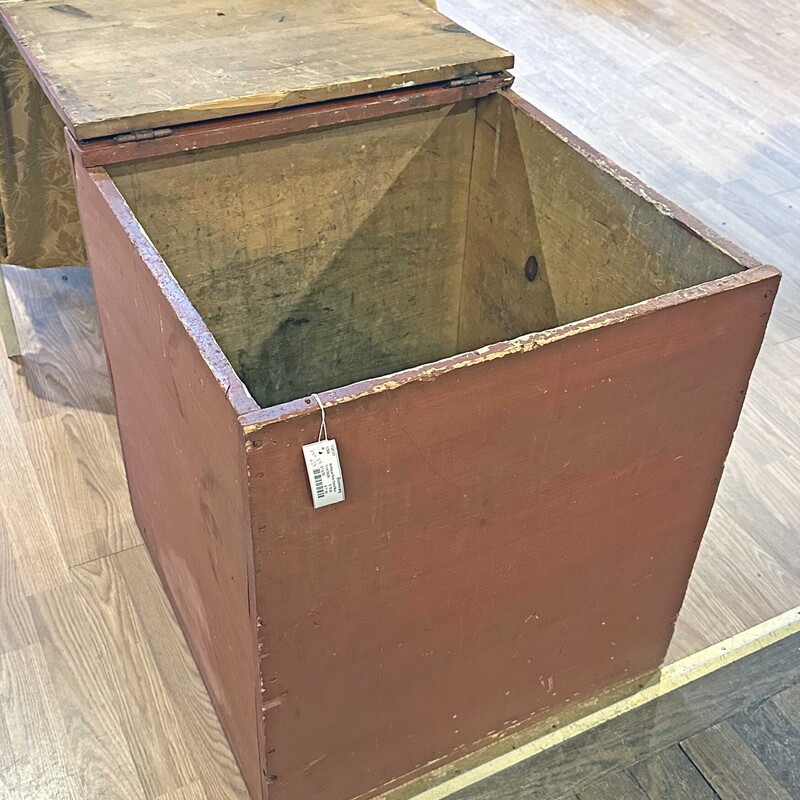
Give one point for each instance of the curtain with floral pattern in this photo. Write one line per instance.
(39, 225)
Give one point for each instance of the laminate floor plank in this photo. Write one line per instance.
(146, 712)
(620, 786)
(25, 512)
(78, 463)
(731, 767)
(38, 765)
(193, 792)
(16, 624)
(212, 757)
(776, 742)
(86, 693)
(734, 558)
(671, 775)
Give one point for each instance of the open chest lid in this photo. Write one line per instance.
(113, 67)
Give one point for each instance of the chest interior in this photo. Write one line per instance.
(324, 257)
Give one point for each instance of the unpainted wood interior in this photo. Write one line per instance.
(323, 258)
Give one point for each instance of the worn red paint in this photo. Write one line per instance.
(519, 529)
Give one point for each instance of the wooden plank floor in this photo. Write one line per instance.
(700, 100)
(99, 697)
(753, 754)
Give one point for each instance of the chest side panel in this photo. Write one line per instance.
(517, 536)
(183, 454)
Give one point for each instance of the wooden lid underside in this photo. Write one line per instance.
(112, 67)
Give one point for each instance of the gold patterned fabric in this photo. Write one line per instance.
(39, 225)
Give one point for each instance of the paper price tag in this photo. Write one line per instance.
(324, 472)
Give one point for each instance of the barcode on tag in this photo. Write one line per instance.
(319, 486)
(324, 472)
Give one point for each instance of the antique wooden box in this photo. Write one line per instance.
(532, 364)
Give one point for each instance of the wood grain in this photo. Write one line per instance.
(193, 792)
(322, 258)
(16, 624)
(497, 300)
(211, 757)
(788, 702)
(670, 775)
(111, 68)
(146, 713)
(775, 740)
(86, 693)
(82, 479)
(99, 695)
(731, 766)
(35, 544)
(731, 558)
(620, 786)
(280, 122)
(598, 244)
(27, 697)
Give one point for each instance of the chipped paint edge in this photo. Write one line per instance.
(255, 420)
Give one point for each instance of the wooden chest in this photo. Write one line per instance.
(532, 365)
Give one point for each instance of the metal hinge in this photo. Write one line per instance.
(506, 79)
(470, 80)
(143, 136)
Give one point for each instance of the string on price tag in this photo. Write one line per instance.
(323, 466)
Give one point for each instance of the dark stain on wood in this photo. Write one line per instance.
(73, 11)
(531, 268)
